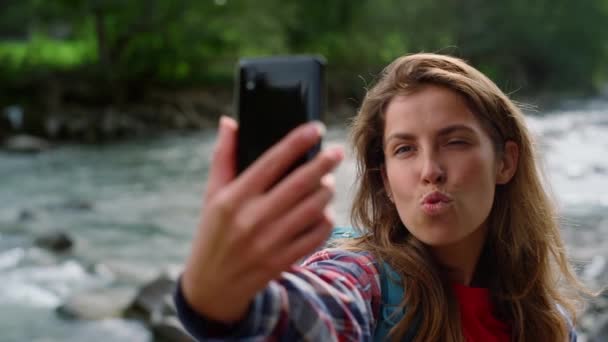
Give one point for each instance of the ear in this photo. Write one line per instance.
(387, 186)
(508, 163)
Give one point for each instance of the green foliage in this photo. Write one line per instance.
(557, 44)
(42, 52)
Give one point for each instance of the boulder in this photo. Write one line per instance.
(97, 304)
(26, 144)
(25, 215)
(153, 301)
(57, 242)
(169, 329)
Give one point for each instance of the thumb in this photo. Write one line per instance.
(223, 160)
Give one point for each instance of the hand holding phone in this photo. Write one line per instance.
(247, 235)
(259, 218)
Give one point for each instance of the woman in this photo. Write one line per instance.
(458, 238)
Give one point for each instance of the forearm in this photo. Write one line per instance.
(204, 329)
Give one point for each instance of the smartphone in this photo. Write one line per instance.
(273, 96)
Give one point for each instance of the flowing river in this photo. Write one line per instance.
(134, 205)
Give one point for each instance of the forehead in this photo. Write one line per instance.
(428, 109)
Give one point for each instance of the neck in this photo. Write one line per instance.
(460, 259)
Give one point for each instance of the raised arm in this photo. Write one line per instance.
(253, 228)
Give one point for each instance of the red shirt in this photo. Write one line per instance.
(476, 315)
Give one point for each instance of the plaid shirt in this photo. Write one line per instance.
(335, 295)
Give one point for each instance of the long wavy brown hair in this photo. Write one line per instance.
(523, 262)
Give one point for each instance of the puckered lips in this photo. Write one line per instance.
(435, 203)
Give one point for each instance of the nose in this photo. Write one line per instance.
(432, 171)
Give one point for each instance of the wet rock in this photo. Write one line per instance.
(130, 273)
(26, 144)
(57, 242)
(169, 329)
(153, 301)
(169, 308)
(25, 215)
(78, 204)
(97, 304)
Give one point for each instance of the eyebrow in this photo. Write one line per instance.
(442, 132)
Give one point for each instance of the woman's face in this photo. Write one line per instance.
(441, 168)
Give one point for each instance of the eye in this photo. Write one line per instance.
(403, 149)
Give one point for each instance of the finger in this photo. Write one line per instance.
(305, 244)
(301, 182)
(298, 221)
(260, 241)
(284, 256)
(282, 198)
(223, 162)
(273, 164)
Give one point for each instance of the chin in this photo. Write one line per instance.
(440, 241)
(438, 238)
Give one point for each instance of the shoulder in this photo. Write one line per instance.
(360, 266)
(349, 272)
(338, 255)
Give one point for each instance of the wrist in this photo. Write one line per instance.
(212, 306)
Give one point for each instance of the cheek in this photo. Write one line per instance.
(476, 181)
(401, 180)
(404, 185)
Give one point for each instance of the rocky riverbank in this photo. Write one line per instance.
(94, 123)
(79, 113)
(127, 292)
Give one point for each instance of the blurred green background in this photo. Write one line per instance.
(169, 63)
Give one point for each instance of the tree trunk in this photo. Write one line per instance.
(103, 51)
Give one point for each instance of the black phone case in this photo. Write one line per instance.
(273, 96)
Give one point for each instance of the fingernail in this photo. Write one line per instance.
(223, 121)
(336, 154)
(328, 180)
(221, 127)
(317, 129)
(225, 124)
